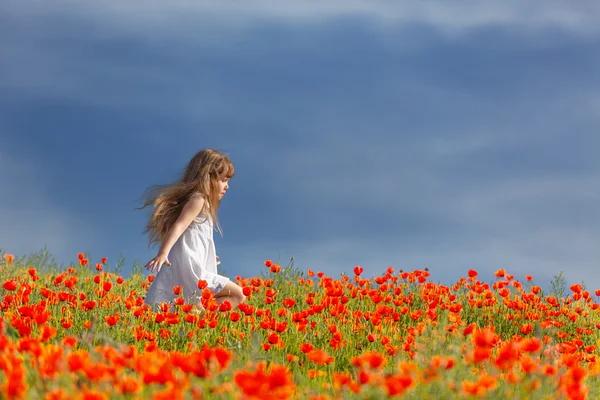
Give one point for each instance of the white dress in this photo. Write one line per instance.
(193, 257)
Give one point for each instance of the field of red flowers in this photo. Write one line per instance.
(84, 332)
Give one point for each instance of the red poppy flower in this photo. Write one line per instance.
(289, 303)
(306, 347)
(273, 338)
(576, 288)
(275, 268)
(10, 285)
(319, 357)
(225, 306)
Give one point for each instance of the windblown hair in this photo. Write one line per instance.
(201, 175)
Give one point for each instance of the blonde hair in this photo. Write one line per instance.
(201, 175)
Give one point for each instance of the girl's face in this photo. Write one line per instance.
(223, 186)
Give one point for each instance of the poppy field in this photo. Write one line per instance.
(83, 332)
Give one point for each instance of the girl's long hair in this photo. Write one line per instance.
(201, 175)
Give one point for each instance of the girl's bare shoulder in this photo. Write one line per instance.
(199, 199)
(195, 203)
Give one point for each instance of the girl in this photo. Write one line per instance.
(184, 215)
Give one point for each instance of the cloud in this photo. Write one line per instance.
(134, 56)
(507, 201)
(190, 17)
(29, 219)
(43, 56)
(524, 196)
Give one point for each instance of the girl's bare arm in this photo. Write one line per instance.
(190, 211)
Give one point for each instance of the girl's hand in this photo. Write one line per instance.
(157, 262)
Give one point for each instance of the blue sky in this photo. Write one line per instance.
(421, 134)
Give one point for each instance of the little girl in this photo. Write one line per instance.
(184, 215)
